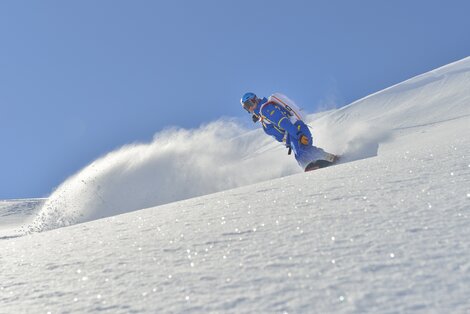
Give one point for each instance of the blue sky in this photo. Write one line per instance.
(81, 78)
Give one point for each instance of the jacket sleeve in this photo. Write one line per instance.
(274, 115)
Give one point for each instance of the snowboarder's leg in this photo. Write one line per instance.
(305, 154)
(309, 154)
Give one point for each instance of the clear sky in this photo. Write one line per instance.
(81, 78)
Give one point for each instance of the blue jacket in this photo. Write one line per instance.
(276, 122)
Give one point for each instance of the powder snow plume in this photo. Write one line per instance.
(176, 165)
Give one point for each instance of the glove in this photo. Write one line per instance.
(303, 139)
(255, 118)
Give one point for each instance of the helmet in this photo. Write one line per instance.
(249, 100)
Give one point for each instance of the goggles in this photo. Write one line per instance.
(250, 103)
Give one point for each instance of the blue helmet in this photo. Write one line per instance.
(249, 100)
(247, 96)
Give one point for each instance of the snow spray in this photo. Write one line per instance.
(177, 164)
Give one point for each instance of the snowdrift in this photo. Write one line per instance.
(180, 164)
(387, 234)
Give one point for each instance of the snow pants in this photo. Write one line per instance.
(305, 154)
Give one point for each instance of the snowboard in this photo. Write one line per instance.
(322, 163)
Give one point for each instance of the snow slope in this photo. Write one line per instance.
(387, 234)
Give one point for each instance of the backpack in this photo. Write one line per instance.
(294, 112)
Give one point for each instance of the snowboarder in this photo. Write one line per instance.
(282, 119)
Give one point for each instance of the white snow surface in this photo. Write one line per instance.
(387, 231)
